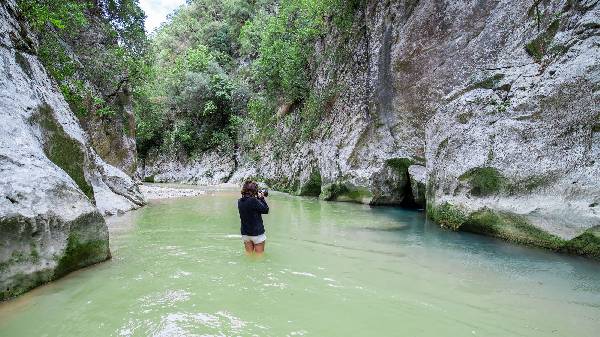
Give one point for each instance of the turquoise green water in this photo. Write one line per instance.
(331, 269)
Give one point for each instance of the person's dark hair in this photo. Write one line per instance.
(250, 188)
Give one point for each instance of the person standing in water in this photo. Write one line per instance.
(251, 206)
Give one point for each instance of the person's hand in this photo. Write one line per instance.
(260, 195)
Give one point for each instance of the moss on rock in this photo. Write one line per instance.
(80, 253)
(23, 282)
(341, 191)
(490, 82)
(400, 165)
(446, 215)
(285, 185)
(487, 83)
(63, 150)
(312, 187)
(538, 47)
(513, 228)
(484, 181)
(510, 227)
(330, 191)
(587, 244)
(87, 243)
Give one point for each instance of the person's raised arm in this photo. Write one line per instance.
(261, 205)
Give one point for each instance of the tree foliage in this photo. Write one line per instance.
(90, 47)
(222, 64)
(215, 66)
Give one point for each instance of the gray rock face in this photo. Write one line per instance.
(418, 184)
(517, 135)
(53, 186)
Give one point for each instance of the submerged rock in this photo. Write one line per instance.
(53, 187)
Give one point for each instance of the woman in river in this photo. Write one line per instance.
(251, 206)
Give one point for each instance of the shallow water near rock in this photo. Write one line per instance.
(331, 269)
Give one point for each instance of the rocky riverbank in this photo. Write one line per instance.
(164, 191)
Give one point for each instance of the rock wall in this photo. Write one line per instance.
(54, 188)
(492, 108)
(111, 136)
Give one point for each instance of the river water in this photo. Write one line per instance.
(331, 269)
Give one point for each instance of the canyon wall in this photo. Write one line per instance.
(54, 187)
(488, 112)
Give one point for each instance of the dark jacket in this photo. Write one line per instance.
(250, 215)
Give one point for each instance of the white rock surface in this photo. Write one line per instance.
(208, 169)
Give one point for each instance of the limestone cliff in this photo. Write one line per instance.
(493, 107)
(54, 188)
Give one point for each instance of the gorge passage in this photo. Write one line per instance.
(485, 114)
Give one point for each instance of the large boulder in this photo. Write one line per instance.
(514, 148)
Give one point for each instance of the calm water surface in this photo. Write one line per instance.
(331, 269)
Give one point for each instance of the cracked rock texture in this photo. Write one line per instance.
(54, 188)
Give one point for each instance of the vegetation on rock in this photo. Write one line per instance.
(312, 187)
(64, 151)
(79, 254)
(587, 244)
(447, 215)
(91, 48)
(514, 228)
(222, 68)
(484, 181)
(510, 227)
(400, 165)
(343, 191)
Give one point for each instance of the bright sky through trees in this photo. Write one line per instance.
(157, 11)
